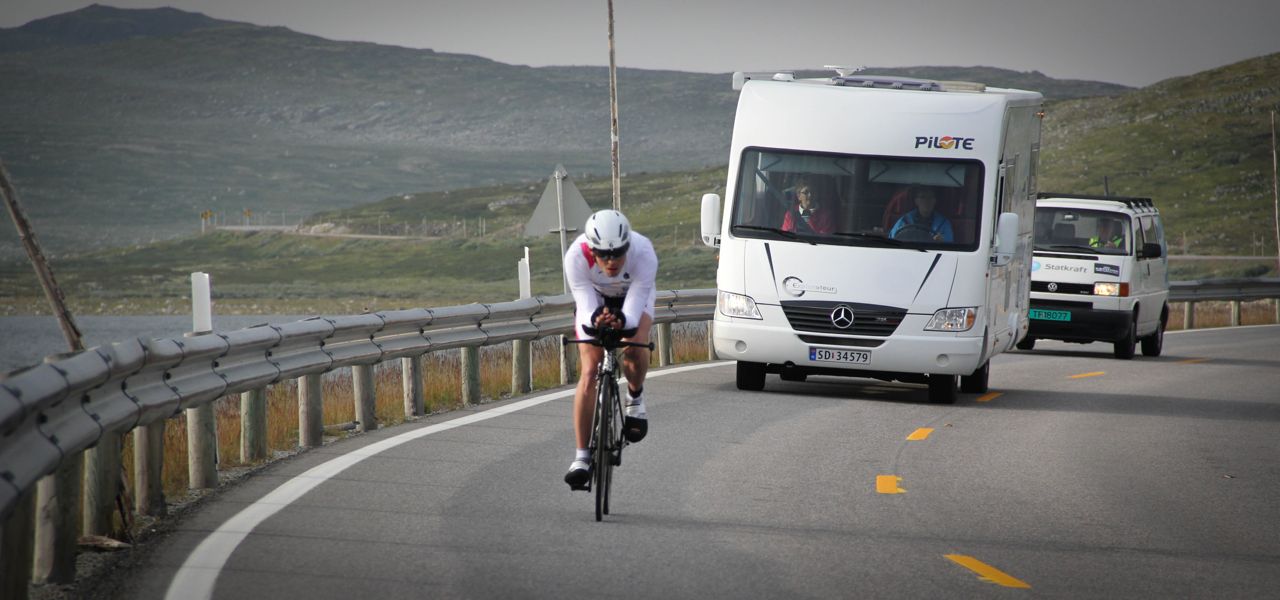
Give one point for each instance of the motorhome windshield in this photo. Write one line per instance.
(856, 200)
(1081, 230)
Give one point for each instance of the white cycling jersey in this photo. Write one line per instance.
(590, 285)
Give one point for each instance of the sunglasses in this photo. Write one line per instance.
(613, 254)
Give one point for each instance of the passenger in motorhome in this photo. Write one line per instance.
(807, 213)
(923, 223)
(1110, 235)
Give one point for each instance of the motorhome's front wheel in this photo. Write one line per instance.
(942, 389)
(976, 383)
(750, 376)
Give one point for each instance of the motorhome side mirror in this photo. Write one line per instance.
(1150, 250)
(711, 220)
(1006, 239)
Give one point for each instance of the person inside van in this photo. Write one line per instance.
(807, 214)
(1110, 235)
(923, 223)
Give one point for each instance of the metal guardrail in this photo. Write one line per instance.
(55, 410)
(1224, 289)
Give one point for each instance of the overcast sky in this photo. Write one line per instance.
(1132, 42)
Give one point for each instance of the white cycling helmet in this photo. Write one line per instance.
(608, 231)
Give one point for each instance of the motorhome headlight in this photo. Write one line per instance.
(953, 319)
(737, 305)
(1110, 288)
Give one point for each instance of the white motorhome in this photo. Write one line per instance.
(1099, 273)
(874, 287)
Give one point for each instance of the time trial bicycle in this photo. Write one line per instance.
(607, 440)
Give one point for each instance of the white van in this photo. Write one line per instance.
(1100, 273)
(860, 282)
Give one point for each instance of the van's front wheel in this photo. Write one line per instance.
(1125, 347)
(750, 376)
(942, 389)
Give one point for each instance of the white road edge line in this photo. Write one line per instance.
(197, 576)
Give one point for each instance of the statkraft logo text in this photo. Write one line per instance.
(945, 142)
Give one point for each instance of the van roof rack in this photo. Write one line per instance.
(1130, 201)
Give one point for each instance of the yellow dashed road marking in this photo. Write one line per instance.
(919, 434)
(888, 484)
(989, 396)
(987, 572)
(1090, 374)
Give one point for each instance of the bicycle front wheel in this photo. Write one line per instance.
(603, 448)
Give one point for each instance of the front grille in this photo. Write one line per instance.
(1085, 289)
(868, 319)
(839, 341)
(1037, 303)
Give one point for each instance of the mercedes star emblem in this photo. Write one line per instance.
(842, 317)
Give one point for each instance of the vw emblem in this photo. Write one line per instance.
(1053, 287)
(842, 317)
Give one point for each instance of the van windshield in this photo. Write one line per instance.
(1081, 230)
(854, 200)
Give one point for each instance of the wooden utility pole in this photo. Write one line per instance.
(1275, 190)
(43, 272)
(613, 118)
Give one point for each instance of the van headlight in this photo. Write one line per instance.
(1110, 288)
(737, 305)
(953, 319)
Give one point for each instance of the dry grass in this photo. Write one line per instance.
(1218, 314)
(441, 390)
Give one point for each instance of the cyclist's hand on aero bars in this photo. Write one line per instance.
(605, 318)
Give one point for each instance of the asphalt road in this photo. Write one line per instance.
(1079, 476)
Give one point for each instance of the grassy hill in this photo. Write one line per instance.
(122, 126)
(292, 274)
(1200, 146)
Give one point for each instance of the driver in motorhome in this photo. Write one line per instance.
(924, 216)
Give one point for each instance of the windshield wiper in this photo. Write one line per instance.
(1088, 249)
(791, 235)
(872, 237)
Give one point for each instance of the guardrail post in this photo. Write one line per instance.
(253, 425)
(411, 379)
(202, 448)
(471, 375)
(1235, 313)
(1189, 316)
(521, 372)
(101, 486)
(362, 381)
(56, 525)
(310, 423)
(148, 468)
(711, 341)
(567, 360)
(17, 539)
(1277, 303)
(664, 344)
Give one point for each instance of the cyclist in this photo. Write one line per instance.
(611, 271)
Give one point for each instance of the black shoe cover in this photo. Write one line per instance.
(634, 429)
(578, 479)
